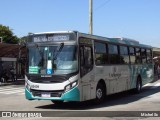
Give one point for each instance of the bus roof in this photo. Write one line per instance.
(52, 32)
(128, 42)
(118, 40)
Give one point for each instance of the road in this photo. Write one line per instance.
(122, 104)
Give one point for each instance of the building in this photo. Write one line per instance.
(9, 54)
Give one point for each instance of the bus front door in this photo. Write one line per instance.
(86, 72)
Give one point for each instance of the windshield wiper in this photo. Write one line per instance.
(59, 49)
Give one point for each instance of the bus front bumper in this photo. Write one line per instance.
(71, 95)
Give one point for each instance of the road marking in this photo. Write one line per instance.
(15, 92)
(8, 89)
(11, 90)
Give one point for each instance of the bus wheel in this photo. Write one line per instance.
(58, 102)
(100, 93)
(138, 85)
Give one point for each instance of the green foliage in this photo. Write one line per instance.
(7, 35)
(23, 39)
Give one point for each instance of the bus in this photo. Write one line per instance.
(74, 66)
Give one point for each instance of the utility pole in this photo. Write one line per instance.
(90, 17)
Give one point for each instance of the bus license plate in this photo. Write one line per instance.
(46, 95)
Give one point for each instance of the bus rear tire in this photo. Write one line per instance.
(57, 102)
(138, 88)
(100, 93)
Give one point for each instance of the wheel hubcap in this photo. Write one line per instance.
(99, 93)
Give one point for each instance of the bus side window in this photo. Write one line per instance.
(113, 54)
(149, 56)
(143, 55)
(124, 57)
(138, 56)
(101, 57)
(132, 55)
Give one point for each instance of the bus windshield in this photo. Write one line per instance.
(57, 59)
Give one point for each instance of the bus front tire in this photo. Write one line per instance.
(100, 93)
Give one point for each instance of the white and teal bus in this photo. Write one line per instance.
(73, 66)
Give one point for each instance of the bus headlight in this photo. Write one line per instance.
(70, 86)
(74, 84)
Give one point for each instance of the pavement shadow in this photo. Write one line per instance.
(111, 100)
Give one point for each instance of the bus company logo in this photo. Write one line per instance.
(6, 114)
(114, 73)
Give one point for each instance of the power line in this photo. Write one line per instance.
(102, 5)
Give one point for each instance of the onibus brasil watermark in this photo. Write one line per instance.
(21, 114)
(149, 114)
(35, 114)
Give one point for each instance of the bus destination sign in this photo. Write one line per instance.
(49, 38)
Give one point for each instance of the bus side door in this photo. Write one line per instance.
(86, 73)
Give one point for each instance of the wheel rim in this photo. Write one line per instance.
(99, 93)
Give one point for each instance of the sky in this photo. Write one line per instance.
(134, 19)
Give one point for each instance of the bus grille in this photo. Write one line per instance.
(38, 93)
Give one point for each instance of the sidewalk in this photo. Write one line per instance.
(17, 82)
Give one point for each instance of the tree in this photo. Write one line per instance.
(23, 40)
(7, 35)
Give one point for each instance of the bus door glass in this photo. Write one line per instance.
(86, 60)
